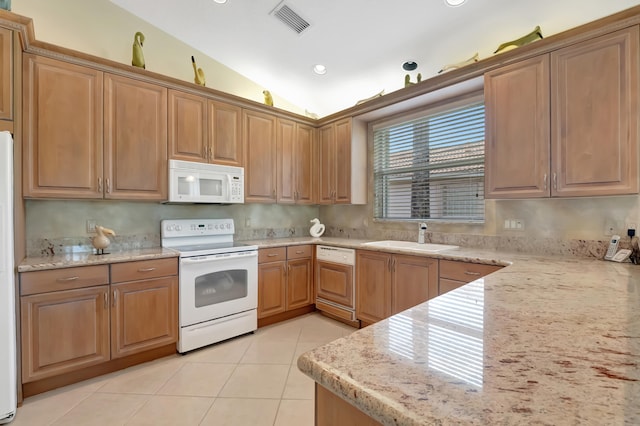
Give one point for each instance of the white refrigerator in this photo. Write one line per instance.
(8, 387)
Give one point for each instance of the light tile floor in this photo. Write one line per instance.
(250, 380)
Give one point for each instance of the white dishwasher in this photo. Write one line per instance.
(335, 282)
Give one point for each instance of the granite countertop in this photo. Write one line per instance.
(68, 260)
(543, 341)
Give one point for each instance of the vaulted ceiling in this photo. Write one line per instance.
(362, 43)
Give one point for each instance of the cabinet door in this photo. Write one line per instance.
(342, 190)
(517, 123)
(271, 288)
(6, 73)
(188, 127)
(64, 331)
(62, 126)
(135, 128)
(326, 170)
(286, 143)
(334, 282)
(260, 170)
(414, 280)
(595, 116)
(144, 315)
(305, 164)
(299, 283)
(225, 134)
(373, 286)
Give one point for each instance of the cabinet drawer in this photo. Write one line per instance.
(299, 252)
(272, 254)
(446, 285)
(63, 279)
(463, 271)
(143, 270)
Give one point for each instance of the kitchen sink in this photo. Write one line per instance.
(432, 248)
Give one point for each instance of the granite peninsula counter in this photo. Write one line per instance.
(544, 341)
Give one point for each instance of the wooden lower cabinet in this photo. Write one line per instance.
(390, 283)
(64, 331)
(285, 280)
(331, 410)
(76, 324)
(271, 288)
(454, 274)
(144, 315)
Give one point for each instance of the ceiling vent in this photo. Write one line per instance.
(290, 18)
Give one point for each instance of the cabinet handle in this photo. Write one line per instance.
(146, 269)
(545, 181)
(62, 280)
(299, 251)
(115, 297)
(210, 154)
(106, 299)
(100, 185)
(555, 180)
(108, 183)
(272, 255)
(288, 269)
(393, 265)
(471, 273)
(389, 264)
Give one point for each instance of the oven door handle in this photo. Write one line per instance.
(218, 257)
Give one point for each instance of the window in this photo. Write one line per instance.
(431, 166)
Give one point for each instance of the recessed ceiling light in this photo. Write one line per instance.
(454, 3)
(320, 69)
(409, 66)
(220, 1)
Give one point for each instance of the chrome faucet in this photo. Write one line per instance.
(421, 230)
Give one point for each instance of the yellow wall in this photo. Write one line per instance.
(100, 28)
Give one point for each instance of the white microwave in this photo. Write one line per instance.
(191, 182)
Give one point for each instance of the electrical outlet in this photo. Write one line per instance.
(91, 226)
(519, 224)
(247, 222)
(609, 228)
(630, 225)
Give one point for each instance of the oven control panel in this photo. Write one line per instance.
(194, 227)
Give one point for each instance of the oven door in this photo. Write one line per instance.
(218, 285)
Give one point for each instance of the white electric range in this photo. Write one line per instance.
(218, 281)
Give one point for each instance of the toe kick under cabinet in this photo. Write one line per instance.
(88, 320)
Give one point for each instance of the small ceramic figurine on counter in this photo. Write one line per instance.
(268, 99)
(317, 229)
(101, 241)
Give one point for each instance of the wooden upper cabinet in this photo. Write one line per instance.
(135, 128)
(260, 158)
(594, 86)
(295, 146)
(342, 190)
(62, 125)
(225, 134)
(286, 162)
(565, 124)
(334, 174)
(326, 174)
(517, 124)
(187, 123)
(6, 74)
(305, 164)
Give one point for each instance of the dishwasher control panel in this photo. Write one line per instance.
(340, 255)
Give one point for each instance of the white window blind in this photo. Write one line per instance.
(431, 167)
